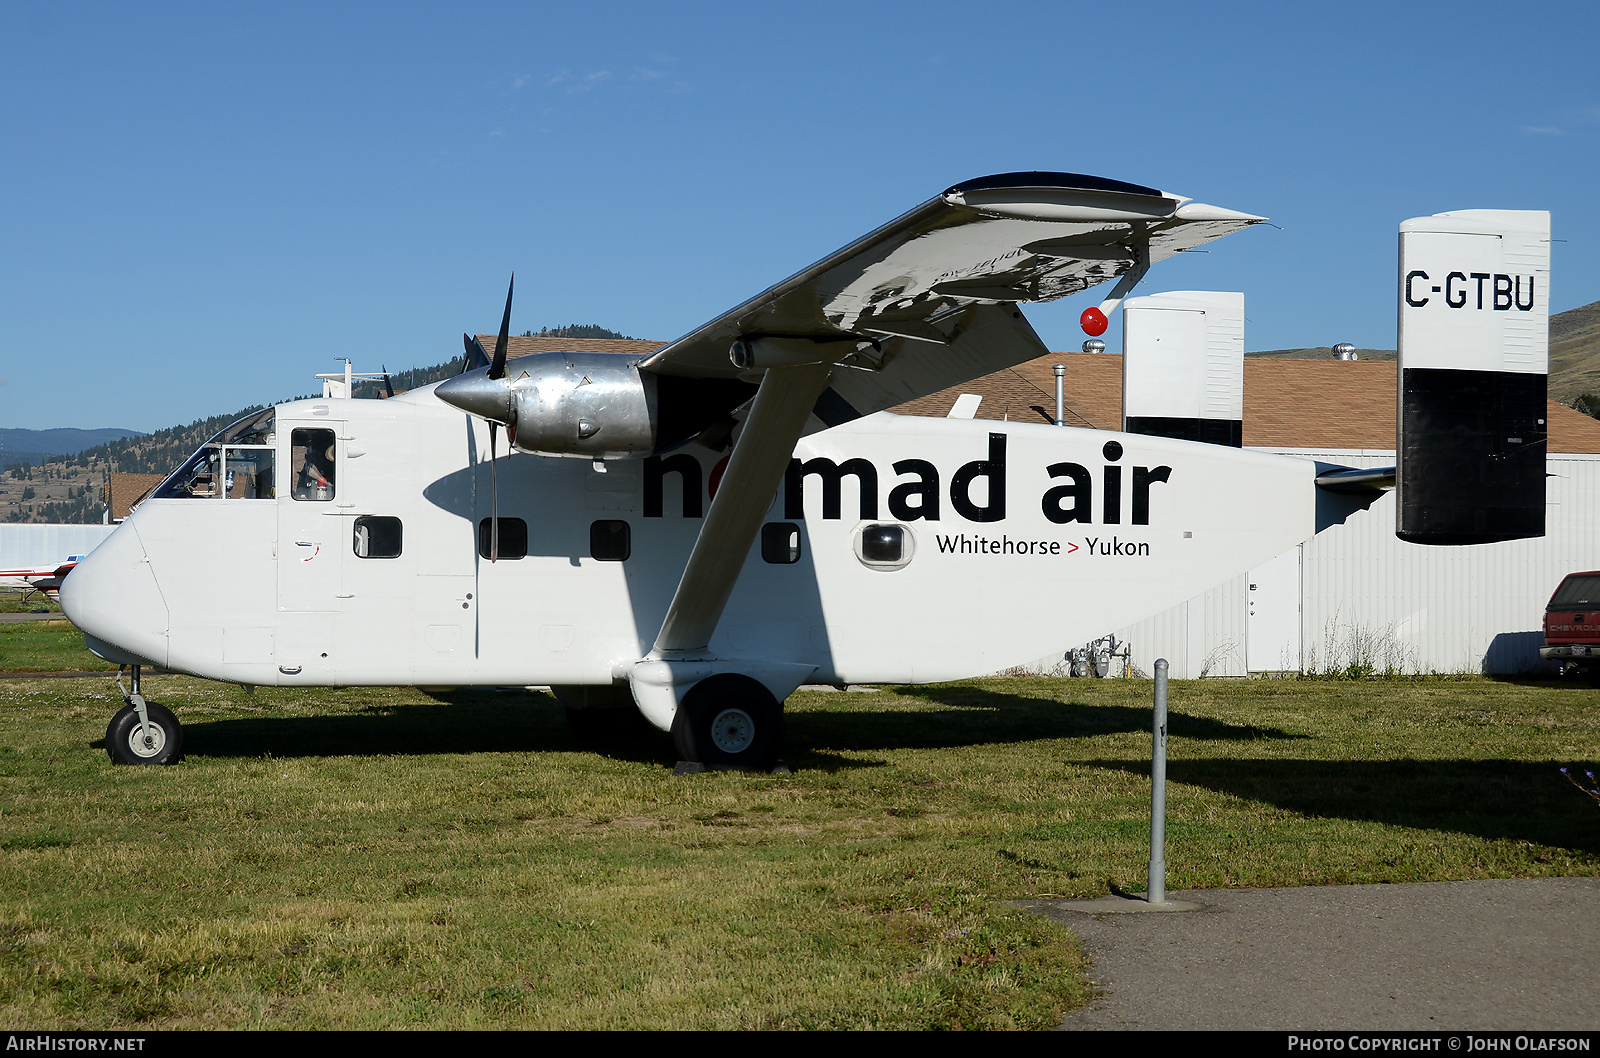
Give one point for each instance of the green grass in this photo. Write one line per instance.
(16, 602)
(45, 646)
(380, 858)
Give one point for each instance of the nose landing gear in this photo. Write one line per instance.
(142, 732)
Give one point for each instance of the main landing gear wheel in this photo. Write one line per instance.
(160, 743)
(729, 721)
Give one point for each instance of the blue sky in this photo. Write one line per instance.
(202, 205)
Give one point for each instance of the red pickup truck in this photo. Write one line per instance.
(1572, 625)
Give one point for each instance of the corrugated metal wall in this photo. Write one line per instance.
(36, 546)
(1202, 637)
(1370, 599)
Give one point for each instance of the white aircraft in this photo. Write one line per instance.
(45, 581)
(698, 532)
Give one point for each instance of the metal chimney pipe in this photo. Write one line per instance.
(1061, 394)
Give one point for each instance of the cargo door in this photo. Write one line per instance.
(377, 500)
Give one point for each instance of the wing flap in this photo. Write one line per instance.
(985, 339)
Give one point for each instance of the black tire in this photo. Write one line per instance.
(164, 744)
(729, 721)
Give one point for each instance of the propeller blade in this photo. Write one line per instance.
(477, 355)
(387, 385)
(494, 495)
(498, 368)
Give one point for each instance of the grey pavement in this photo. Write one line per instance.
(9, 618)
(1505, 954)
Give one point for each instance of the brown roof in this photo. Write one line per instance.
(125, 490)
(1027, 392)
(522, 345)
(1287, 403)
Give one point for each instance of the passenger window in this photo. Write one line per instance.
(780, 543)
(884, 547)
(610, 541)
(249, 475)
(377, 537)
(311, 462)
(513, 538)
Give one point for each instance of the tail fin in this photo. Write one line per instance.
(1474, 356)
(1183, 366)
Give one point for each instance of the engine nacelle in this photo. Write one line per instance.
(594, 405)
(582, 405)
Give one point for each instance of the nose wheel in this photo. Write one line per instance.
(142, 732)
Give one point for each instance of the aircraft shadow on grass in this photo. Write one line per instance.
(463, 722)
(1500, 800)
(517, 722)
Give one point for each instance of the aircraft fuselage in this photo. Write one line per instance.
(899, 549)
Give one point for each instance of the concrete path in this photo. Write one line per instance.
(9, 618)
(1505, 954)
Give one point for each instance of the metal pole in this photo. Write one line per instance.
(1157, 890)
(1061, 398)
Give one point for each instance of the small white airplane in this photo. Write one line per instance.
(45, 581)
(698, 532)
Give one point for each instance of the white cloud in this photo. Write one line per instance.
(590, 82)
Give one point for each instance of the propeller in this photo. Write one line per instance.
(477, 355)
(494, 496)
(387, 385)
(489, 397)
(497, 370)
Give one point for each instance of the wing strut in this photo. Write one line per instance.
(759, 459)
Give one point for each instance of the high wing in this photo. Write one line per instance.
(925, 302)
(930, 297)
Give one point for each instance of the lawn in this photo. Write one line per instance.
(45, 646)
(373, 858)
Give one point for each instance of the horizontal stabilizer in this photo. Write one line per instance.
(1474, 353)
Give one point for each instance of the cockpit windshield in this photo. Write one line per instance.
(236, 464)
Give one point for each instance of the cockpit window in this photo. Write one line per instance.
(249, 474)
(257, 429)
(196, 479)
(235, 464)
(312, 463)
